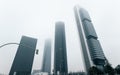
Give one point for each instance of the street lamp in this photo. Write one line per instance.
(18, 44)
(12, 43)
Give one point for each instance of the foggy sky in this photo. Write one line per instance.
(36, 18)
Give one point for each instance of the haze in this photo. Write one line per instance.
(36, 18)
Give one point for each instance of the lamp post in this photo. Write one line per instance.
(3, 45)
(18, 44)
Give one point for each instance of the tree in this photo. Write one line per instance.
(93, 70)
(117, 69)
(109, 69)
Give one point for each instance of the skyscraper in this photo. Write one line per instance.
(93, 43)
(83, 43)
(46, 65)
(60, 55)
(22, 64)
(89, 40)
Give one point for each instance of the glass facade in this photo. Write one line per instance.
(60, 55)
(22, 64)
(46, 65)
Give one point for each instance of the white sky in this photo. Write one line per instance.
(36, 18)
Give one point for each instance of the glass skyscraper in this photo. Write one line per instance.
(46, 64)
(91, 48)
(22, 64)
(60, 55)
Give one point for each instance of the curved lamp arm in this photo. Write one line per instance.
(18, 44)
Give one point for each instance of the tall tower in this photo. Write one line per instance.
(60, 55)
(46, 65)
(95, 49)
(83, 43)
(22, 64)
(89, 40)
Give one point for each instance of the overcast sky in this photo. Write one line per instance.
(36, 18)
